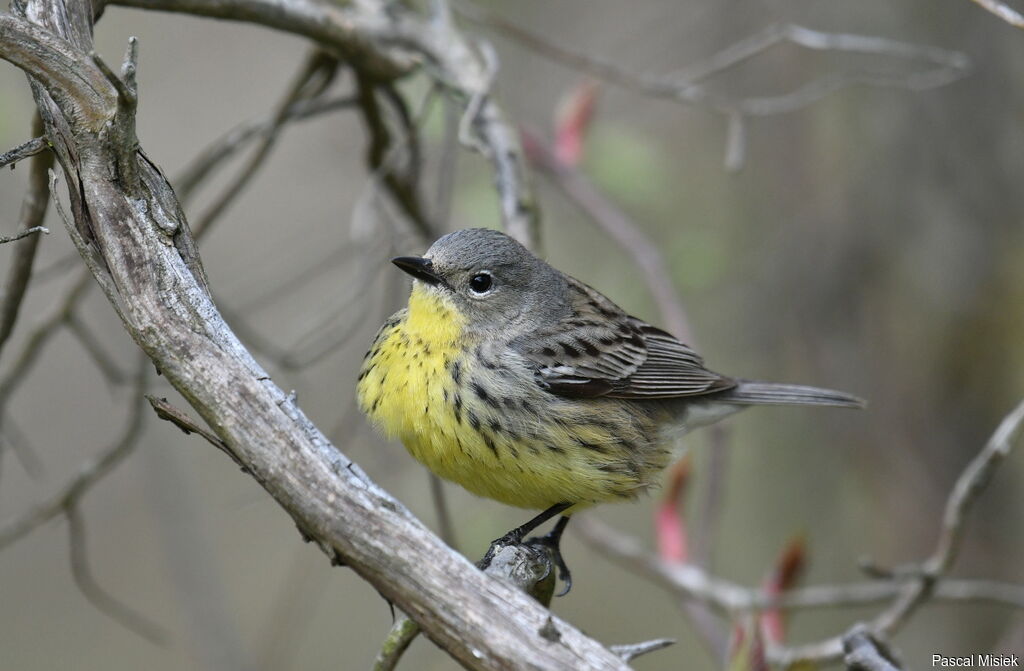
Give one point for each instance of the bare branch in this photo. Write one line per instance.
(88, 475)
(22, 448)
(33, 212)
(36, 145)
(907, 589)
(381, 155)
(24, 234)
(168, 310)
(730, 599)
(965, 493)
(164, 410)
(110, 370)
(864, 653)
(631, 651)
(83, 95)
(126, 616)
(383, 41)
(1003, 11)
(347, 28)
(237, 138)
(316, 73)
(944, 66)
(445, 528)
(39, 336)
(403, 632)
(646, 256)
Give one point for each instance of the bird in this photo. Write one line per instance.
(524, 385)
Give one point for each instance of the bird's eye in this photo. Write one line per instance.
(480, 283)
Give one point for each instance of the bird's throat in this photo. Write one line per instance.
(433, 318)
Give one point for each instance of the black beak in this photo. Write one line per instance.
(419, 267)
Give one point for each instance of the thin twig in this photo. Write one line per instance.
(89, 474)
(164, 410)
(630, 651)
(237, 138)
(961, 500)
(1003, 11)
(318, 64)
(66, 502)
(34, 146)
(33, 212)
(381, 156)
(40, 335)
(731, 599)
(24, 234)
(445, 528)
(91, 344)
(864, 653)
(907, 589)
(467, 73)
(403, 632)
(102, 600)
(683, 87)
(22, 448)
(624, 232)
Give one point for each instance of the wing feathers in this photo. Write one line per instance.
(602, 351)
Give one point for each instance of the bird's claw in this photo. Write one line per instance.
(551, 543)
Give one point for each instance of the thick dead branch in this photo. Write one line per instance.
(141, 251)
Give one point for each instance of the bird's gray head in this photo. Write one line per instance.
(492, 280)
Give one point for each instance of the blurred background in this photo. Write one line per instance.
(870, 241)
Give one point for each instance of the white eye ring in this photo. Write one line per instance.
(482, 283)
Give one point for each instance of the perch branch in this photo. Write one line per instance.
(146, 261)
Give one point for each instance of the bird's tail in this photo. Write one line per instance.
(747, 392)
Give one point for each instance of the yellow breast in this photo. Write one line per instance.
(402, 384)
(489, 427)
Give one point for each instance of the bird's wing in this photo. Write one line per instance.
(600, 350)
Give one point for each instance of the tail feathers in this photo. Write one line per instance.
(773, 393)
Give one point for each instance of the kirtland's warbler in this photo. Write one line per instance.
(525, 385)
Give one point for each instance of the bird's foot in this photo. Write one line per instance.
(552, 543)
(511, 538)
